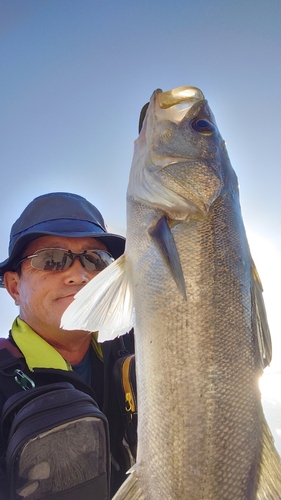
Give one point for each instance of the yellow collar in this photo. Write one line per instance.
(37, 352)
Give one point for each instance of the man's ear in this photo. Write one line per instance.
(11, 280)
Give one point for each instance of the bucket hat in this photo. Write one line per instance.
(58, 214)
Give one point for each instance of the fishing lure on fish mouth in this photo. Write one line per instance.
(189, 286)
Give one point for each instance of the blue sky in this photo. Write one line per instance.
(75, 74)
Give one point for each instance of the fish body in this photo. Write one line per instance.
(201, 332)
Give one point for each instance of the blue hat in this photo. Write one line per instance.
(58, 214)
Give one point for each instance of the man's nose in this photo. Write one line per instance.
(77, 273)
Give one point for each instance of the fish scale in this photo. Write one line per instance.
(197, 348)
(201, 334)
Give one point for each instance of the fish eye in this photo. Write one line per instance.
(203, 126)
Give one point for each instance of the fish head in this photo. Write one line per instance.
(180, 163)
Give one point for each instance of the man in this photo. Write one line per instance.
(58, 244)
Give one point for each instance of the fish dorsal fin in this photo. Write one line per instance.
(105, 304)
(263, 333)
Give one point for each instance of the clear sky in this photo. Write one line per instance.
(74, 75)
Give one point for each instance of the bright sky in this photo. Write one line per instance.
(75, 74)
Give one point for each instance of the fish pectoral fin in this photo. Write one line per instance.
(263, 332)
(163, 237)
(130, 489)
(105, 304)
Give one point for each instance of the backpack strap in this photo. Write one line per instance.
(118, 348)
(11, 348)
(124, 375)
(12, 366)
(11, 358)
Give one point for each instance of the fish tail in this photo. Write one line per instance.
(130, 489)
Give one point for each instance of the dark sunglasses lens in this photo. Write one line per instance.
(51, 259)
(97, 260)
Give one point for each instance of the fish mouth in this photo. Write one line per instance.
(181, 99)
(189, 95)
(175, 103)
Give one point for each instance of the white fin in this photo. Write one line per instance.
(130, 489)
(105, 304)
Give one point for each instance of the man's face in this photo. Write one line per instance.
(43, 296)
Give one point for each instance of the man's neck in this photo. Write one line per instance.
(73, 352)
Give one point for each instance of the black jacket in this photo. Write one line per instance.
(102, 390)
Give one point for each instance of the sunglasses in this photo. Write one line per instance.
(58, 259)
